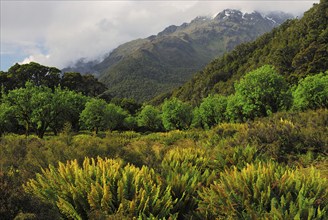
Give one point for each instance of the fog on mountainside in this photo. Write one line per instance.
(144, 68)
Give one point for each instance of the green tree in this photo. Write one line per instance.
(115, 117)
(67, 106)
(8, 122)
(86, 84)
(234, 111)
(21, 102)
(212, 110)
(94, 115)
(35, 73)
(312, 92)
(37, 107)
(127, 104)
(150, 118)
(262, 92)
(91, 86)
(176, 114)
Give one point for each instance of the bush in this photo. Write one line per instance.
(288, 135)
(103, 187)
(212, 110)
(176, 114)
(186, 171)
(312, 92)
(150, 118)
(266, 191)
(263, 92)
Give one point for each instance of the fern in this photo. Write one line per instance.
(266, 191)
(103, 187)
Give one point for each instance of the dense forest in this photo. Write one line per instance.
(254, 149)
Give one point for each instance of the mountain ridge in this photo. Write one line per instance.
(162, 62)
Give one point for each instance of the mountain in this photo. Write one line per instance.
(296, 48)
(144, 68)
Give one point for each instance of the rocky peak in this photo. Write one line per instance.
(168, 30)
(229, 14)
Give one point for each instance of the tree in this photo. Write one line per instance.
(37, 107)
(94, 115)
(115, 117)
(127, 104)
(20, 101)
(91, 86)
(8, 122)
(86, 84)
(68, 106)
(150, 118)
(35, 73)
(212, 110)
(311, 92)
(234, 111)
(263, 92)
(176, 114)
(72, 81)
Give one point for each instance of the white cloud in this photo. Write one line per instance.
(56, 33)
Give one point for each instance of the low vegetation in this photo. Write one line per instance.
(176, 174)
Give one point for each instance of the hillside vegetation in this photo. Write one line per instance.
(296, 49)
(144, 68)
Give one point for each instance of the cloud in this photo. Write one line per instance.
(56, 33)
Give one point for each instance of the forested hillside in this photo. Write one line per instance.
(296, 49)
(144, 68)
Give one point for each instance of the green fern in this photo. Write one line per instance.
(266, 191)
(103, 187)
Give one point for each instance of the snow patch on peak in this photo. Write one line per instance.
(270, 19)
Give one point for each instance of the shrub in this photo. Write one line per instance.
(212, 110)
(263, 92)
(186, 171)
(312, 92)
(266, 191)
(287, 135)
(150, 118)
(103, 187)
(176, 114)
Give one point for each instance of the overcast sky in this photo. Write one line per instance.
(56, 33)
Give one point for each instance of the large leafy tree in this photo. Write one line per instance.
(212, 110)
(67, 107)
(94, 115)
(33, 72)
(21, 102)
(312, 92)
(176, 114)
(8, 122)
(115, 116)
(86, 84)
(37, 107)
(263, 92)
(150, 118)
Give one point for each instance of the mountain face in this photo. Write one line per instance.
(296, 49)
(144, 68)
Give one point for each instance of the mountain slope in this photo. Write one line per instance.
(296, 48)
(144, 68)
